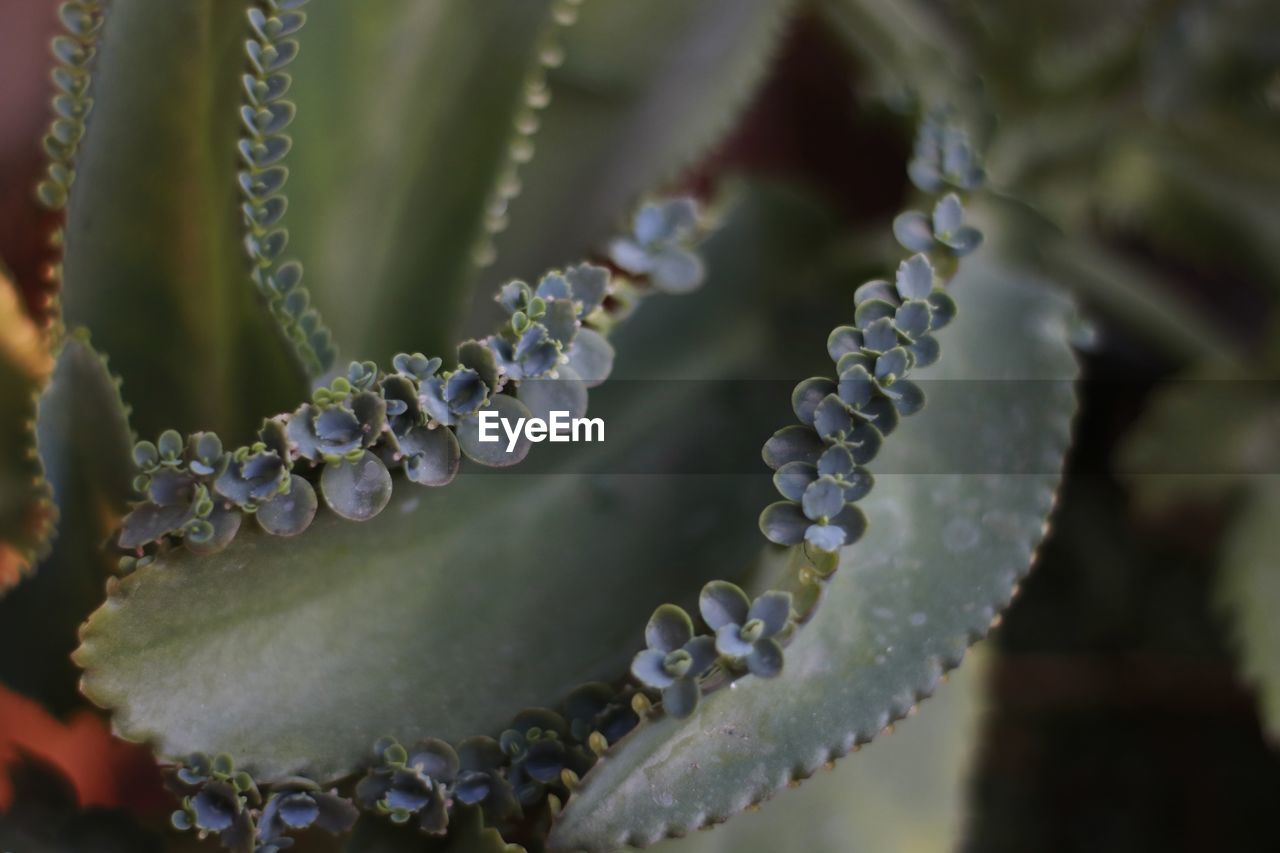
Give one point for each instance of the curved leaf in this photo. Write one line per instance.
(456, 607)
(26, 512)
(943, 554)
(154, 264)
(406, 111)
(85, 445)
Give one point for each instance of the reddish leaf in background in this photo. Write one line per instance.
(25, 227)
(104, 770)
(805, 125)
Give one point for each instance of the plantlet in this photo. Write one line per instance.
(323, 573)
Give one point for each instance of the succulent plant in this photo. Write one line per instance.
(944, 156)
(297, 804)
(359, 604)
(674, 660)
(216, 800)
(658, 246)
(747, 632)
(410, 783)
(919, 233)
(481, 780)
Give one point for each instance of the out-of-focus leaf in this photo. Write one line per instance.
(644, 90)
(154, 264)
(1120, 288)
(26, 512)
(902, 40)
(1201, 437)
(1249, 593)
(104, 770)
(45, 818)
(406, 111)
(943, 553)
(902, 794)
(456, 607)
(85, 444)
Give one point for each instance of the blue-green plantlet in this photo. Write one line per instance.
(298, 804)
(317, 557)
(919, 233)
(411, 783)
(674, 660)
(658, 246)
(747, 632)
(216, 800)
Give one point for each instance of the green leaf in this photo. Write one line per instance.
(26, 511)
(903, 794)
(943, 554)
(628, 113)
(456, 607)
(1249, 592)
(406, 111)
(85, 445)
(1201, 437)
(154, 263)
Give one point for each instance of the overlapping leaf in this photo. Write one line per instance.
(84, 444)
(406, 110)
(453, 609)
(961, 501)
(154, 263)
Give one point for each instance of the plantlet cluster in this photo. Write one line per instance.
(819, 465)
(75, 51)
(419, 418)
(265, 115)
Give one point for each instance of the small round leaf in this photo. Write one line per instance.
(356, 489)
(290, 513)
(494, 453)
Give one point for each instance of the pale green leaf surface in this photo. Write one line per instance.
(406, 109)
(943, 555)
(154, 264)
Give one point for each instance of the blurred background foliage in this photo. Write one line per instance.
(1131, 699)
